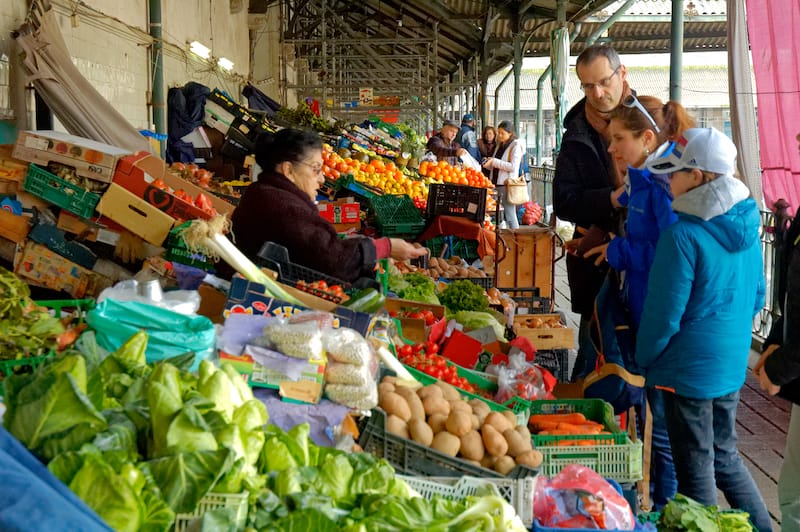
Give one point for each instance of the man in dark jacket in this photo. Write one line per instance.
(467, 137)
(778, 372)
(587, 185)
(443, 144)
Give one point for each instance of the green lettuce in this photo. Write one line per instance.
(185, 478)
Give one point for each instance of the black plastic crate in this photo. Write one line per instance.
(276, 257)
(556, 361)
(457, 200)
(465, 248)
(411, 458)
(484, 282)
(528, 298)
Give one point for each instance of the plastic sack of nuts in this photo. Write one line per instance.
(297, 340)
(347, 347)
(324, 319)
(358, 397)
(337, 373)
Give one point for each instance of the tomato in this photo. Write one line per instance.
(393, 313)
(417, 315)
(429, 370)
(159, 184)
(405, 350)
(437, 372)
(418, 348)
(429, 317)
(441, 362)
(431, 347)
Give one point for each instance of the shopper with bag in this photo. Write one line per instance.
(512, 190)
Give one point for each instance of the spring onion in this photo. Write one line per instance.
(207, 237)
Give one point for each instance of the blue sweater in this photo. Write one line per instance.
(649, 213)
(706, 284)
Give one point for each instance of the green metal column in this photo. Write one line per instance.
(540, 112)
(497, 94)
(158, 98)
(517, 75)
(676, 51)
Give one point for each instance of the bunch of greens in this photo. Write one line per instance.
(412, 142)
(138, 444)
(464, 295)
(478, 320)
(414, 287)
(25, 329)
(683, 513)
(316, 488)
(303, 116)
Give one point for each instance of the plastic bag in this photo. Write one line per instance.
(470, 162)
(182, 301)
(337, 373)
(358, 397)
(325, 320)
(527, 384)
(169, 333)
(580, 498)
(297, 340)
(347, 346)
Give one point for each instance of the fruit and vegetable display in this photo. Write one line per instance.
(543, 322)
(572, 424)
(443, 172)
(682, 513)
(376, 172)
(423, 357)
(436, 416)
(321, 289)
(532, 213)
(68, 174)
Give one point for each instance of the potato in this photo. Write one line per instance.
(516, 443)
(532, 458)
(420, 431)
(472, 446)
(413, 400)
(458, 423)
(395, 404)
(430, 390)
(504, 465)
(474, 462)
(385, 387)
(498, 421)
(479, 406)
(448, 391)
(494, 441)
(391, 379)
(435, 405)
(396, 426)
(476, 423)
(446, 443)
(488, 460)
(461, 406)
(437, 422)
(524, 432)
(511, 417)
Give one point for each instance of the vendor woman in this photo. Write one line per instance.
(280, 208)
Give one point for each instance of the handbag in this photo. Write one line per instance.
(517, 190)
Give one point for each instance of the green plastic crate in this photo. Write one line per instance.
(593, 409)
(59, 192)
(396, 215)
(618, 461)
(215, 501)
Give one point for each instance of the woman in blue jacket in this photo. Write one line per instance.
(637, 128)
(706, 285)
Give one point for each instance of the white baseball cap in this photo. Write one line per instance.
(706, 149)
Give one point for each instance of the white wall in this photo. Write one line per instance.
(108, 42)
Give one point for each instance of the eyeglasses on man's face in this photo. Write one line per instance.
(604, 83)
(316, 168)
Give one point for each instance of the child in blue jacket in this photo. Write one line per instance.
(706, 285)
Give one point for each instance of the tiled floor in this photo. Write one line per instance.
(762, 420)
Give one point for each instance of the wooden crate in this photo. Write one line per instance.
(14, 228)
(525, 258)
(545, 337)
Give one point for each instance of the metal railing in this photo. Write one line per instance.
(542, 184)
(770, 252)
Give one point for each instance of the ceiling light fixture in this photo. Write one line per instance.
(225, 63)
(200, 49)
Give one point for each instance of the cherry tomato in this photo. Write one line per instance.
(431, 347)
(417, 348)
(405, 350)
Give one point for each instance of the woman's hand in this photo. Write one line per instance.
(763, 379)
(488, 163)
(402, 250)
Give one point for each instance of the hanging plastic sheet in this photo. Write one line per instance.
(559, 59)
(73, 99)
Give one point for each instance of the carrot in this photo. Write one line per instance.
(583, 428)
(69, 336)
(543, 425)
(575, 417)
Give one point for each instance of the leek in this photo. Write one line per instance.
(207, 237)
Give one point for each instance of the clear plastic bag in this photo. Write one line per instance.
(347, 346)
(324, 319)
(337, 373)
(519, 378)
(297, 340)
(358, 397)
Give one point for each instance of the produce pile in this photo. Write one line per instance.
(143, 444)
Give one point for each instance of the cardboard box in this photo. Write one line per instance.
(136, 173)
(248, 297)
(544, 337)
(344, 214)
(414, 329)
(11, 169)
(48, 268)
(135, 214)
(90, 159)
(271, 372)
(14, 228)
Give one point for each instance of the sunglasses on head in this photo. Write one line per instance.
(632, 102)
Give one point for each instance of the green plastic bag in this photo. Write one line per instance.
(169, 333)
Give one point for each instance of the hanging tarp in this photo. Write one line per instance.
(559, 59)
(72, 98)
